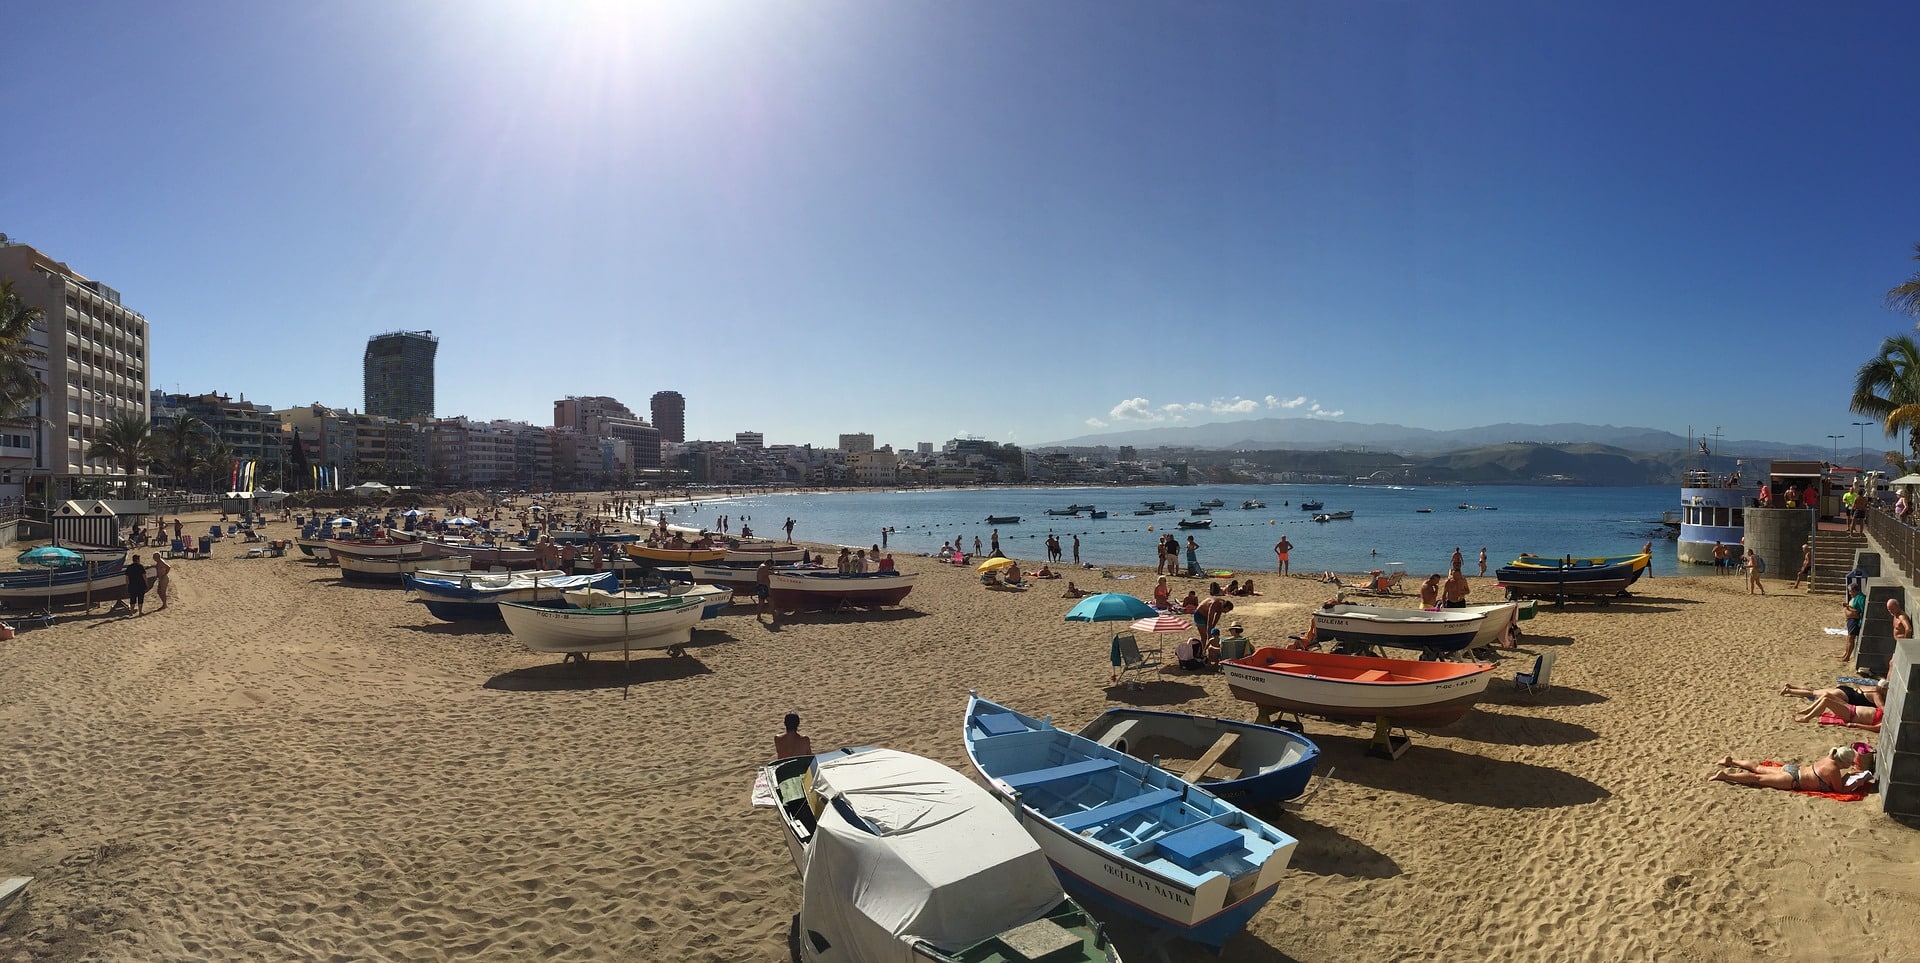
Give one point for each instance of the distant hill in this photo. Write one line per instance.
(1508, 464)
(1264, 434)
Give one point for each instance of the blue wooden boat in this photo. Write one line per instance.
(72, 585)
(478, 597)
(1639, 560)
(1565, 582)
(1244, 762)
(1126, 834)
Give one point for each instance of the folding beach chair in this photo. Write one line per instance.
(1541, 676)
(1134, 661)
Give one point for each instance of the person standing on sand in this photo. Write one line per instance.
(1283, 552)
(763, 589)
(1193, 557)
(1076, 550)
(1454, 592)
(789, 529)
(137, 585)
(1902, 623)
(1754, 566)
(1457, 560)
(1720, 557)
(1856, 607)
(1806, 566)
(995, 535)
(160, 572)
(1483, 560)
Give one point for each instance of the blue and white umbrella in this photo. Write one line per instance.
(462, 521)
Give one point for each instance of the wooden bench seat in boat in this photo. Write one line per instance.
(1099, 815)
(1072, 770)
(1371, 675)
(1193, 846)
(1212, 755)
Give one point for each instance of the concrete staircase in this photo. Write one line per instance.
(1833, 559)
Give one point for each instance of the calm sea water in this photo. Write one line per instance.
(1386, 529)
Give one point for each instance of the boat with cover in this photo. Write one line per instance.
(1358, 687)
(714, 598)
(1003, 519)
(354, 568)
(1126, 834)
(901, 858)
(461, 598)
(1194, 523)
(1598, 582)
(655, 624)
(800, 590)
(43, 588)
(1448, 630)
(1244, 762)
(1069, 512)
(1201, 511)
(1161, 506)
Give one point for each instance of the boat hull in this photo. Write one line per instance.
(674, 556)
(29, 590)
(1597, 581)
(374, 549)
(1101, 852)
(654, 625)
(484, 557)
(479, 599)
(1339, 687)
(1274, 764)
(817, 591)
(714, 598)
(1448, 630)
(757, 552)
(390, 571)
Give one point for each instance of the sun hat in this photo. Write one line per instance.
(1234, 625)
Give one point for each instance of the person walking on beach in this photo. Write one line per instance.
(1720, 557)
(763, 589)
(789, 529)
(1076, 550)
(1483, 559)
(1282, 551)
(1754, 567)
(1856, 607)
(137, 585)
(1457, 560)
(160, 572)
(1806, 566)
(1646, 550)
(995, 534)
(1193, 557)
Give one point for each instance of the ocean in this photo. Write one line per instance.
(1388, 529)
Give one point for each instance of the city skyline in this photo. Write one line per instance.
(1024, 224)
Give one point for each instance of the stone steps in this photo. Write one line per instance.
(1833, 559)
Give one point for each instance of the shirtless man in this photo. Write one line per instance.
(1821, 775)
(1902, 622)
(1806, 566)
(1430, 592)
(791, 743)
(1282, 549)
(1455, 590)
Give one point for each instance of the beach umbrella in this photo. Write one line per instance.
(52, 558)
(1906, 480)
(462, 521)
(1163, 622)
(413, 513)
(341, 523)
(995, 564)
(1110, 607)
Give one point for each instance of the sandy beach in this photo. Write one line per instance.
(281, 766)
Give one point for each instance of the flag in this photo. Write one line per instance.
(1703, 449)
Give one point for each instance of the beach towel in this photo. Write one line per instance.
(1836, 796)
(1831, 631)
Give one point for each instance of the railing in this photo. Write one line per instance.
(1897, 538)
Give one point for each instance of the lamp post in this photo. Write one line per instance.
(1862, 425)
(1836, 447)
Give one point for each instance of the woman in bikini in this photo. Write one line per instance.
(1831, 707)
(1821, 775)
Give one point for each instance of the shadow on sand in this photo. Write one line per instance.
(600, 672)
(1325, 851)
(1446, 775)
(1162, 692)
(1507, 730)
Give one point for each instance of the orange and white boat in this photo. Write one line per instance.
(1358, 687)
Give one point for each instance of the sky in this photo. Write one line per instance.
(1022, 222)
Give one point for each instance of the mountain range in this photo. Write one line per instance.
(1270, 434)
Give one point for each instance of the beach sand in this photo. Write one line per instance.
(283, 767)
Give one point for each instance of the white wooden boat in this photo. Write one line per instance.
(1125, 834)
(374, 548)
(714, 598)
(1358, 687)
(1497, 620)
(654, 624)
(464, 596)
(757, 551)
(902, 858)
(353, 568)
(1241, 762)
(1448, 630)
(314, 547)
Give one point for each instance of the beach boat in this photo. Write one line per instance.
(580, 538)
(1593, 581)
(1003, 519)
(375, 547)
(654, 624)
(465, 597)
(43, 588)
(963, 882)
(1252, 503)
(483, 557)
(1639, 560)
(810, 591)
(1125, 834)
(1333, 517)
(755, 552)
(1448, 630)
(313, 547)
(1497, 619)
(1358, 687)
(1194, 523)
(1312, 506)
(354, 568)
(643, 553)
(740, 576)
(714, 598)
(1254, 764)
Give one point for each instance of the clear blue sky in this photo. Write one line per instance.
(1012, 220)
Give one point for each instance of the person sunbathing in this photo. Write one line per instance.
(1829, 773)
(1836, 712)
(1072, 592)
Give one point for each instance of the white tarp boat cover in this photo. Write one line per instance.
(945, 861)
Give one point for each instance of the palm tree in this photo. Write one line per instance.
(181, 443)
(127, 441)
(1888, 387)
(219, 461)
(1905, 296)
(19, 388)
